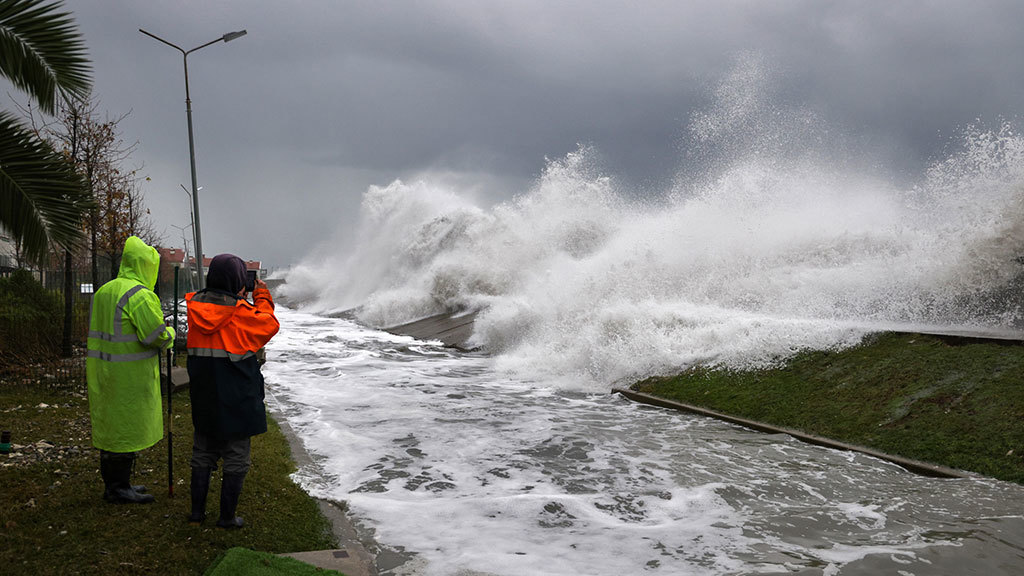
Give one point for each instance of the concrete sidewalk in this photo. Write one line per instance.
(179, 377)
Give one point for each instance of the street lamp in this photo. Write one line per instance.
(191, 212)
(191, 144)
(184, 241)
(192, 222)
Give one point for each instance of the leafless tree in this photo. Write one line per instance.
(97, 152)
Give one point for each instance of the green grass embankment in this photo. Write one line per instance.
(54, 521)
(953, 402)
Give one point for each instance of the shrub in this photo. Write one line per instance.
(30, 321)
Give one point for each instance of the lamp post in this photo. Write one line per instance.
(192, 222)
(191, 143)
(191, 211)
(185, 242)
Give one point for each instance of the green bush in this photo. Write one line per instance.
(31, 321)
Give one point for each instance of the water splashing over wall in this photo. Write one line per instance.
(776, 242)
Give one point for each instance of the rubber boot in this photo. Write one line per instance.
(107, 474)
(116, 470)
(140, 488)
(230, 490)
(199, 487)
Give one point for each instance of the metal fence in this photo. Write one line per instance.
(32, 336)
(32, 318)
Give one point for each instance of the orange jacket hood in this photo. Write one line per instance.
(210, 319)
(220, 321)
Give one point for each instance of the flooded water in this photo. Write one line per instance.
(472, 471)
(779, 233)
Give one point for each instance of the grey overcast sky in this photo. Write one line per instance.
(324, 98)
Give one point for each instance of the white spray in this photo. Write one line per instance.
(773, 245)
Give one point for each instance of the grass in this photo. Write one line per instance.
(947, 401)
(54, 521)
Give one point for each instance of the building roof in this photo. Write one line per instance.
(249, 264)
(172, 255)
(177, 256)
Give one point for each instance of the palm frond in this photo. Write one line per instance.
(42, 199)
(42, 53)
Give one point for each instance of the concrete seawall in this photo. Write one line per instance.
(453, 330)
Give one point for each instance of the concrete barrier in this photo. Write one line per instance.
(453, 330)
(923, 468)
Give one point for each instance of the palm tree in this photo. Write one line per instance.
(41, 198)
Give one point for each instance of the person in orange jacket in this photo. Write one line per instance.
(225, 335)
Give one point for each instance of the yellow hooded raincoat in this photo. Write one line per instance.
(126, 334)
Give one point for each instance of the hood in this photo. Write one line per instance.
(140, 262)
(213, 313)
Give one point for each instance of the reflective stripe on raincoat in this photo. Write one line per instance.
(126, 334)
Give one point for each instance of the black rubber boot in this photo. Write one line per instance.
(230, 490)
(199, 487)
(140, 488)
(116, 470)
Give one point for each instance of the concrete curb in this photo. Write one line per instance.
(179, 378)
(915, 466)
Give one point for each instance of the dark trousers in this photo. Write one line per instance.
(207, 451)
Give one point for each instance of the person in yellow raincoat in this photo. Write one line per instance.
(126, 335)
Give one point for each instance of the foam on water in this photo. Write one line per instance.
(477, 473)
(775, 239)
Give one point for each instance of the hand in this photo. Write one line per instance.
(261, 284)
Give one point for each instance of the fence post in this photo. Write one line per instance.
(171, 357)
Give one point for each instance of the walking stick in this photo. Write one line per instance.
(170, 389)
(170, 432)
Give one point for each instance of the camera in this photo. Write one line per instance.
(250, 280)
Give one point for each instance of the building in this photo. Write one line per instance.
(7, 262)
(174, 257)
(171, 258)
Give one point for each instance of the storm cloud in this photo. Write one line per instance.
(322, 98)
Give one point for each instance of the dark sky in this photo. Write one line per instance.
(324, 98)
